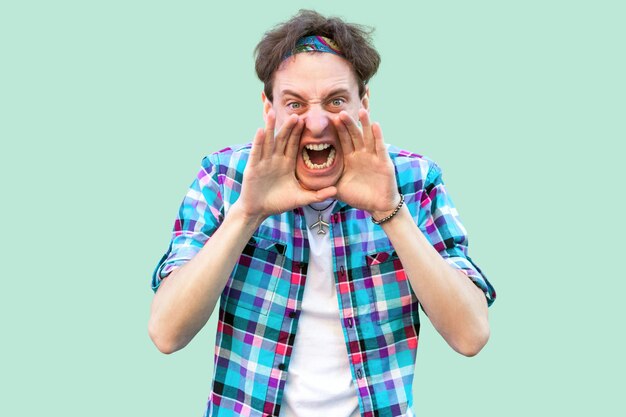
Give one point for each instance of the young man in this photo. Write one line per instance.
(320, 242)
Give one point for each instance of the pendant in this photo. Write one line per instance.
(319, 224)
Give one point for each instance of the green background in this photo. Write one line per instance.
(107, 108)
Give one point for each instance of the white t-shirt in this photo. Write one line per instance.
(319, 382)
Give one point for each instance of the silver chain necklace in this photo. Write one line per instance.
(320, 223)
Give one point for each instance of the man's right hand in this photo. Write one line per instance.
(269, 183)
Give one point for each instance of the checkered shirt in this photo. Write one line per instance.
(260, 304)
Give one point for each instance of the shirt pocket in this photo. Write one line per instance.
(391, 292)
(253, 282)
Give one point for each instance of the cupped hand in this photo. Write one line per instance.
(269, 182)
(368, 181)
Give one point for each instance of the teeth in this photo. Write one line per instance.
(318, 147)
(311, 165)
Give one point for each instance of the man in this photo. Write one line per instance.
(317, 198)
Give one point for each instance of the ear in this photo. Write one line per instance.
(365, 101)
(267, 105)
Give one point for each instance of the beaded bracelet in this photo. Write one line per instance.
(383, 220)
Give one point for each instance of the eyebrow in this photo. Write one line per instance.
(335, 92)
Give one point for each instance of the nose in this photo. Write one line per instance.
(316, 121)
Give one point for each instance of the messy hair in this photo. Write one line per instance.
(353, 40)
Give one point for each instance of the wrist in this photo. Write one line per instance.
(246, 215)
(380, 217)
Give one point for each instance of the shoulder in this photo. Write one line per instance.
(411, 167)
(233, 157)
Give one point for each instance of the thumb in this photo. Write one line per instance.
(318, 196)
(325, 193)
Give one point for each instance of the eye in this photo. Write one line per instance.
(294, 105)
(337, 102)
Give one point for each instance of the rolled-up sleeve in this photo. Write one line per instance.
(198, 217)
(440, 221)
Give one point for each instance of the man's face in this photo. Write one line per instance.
(316, 87)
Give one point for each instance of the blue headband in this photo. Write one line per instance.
(314, 44)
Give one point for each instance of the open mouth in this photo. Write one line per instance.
(318, 156)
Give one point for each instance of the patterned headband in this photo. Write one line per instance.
(314, 44)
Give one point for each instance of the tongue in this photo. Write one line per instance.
(318, 157)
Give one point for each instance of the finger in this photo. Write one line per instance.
(284, 134)
(293, 143)
(368, 136)
(309, 196)
(353, 129)
(256, 153)
(325, 193)
(378, 139)
(268, 143)
(347, 146)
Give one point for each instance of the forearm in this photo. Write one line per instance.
(454, 304)
(187, 297)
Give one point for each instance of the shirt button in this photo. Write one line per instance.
(359, 374)
(292, 314)
(282, 367)
(336, 217)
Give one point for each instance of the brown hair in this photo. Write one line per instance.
(353, 40)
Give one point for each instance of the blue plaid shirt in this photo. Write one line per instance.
(260, 304)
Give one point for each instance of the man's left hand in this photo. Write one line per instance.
(368, 181)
